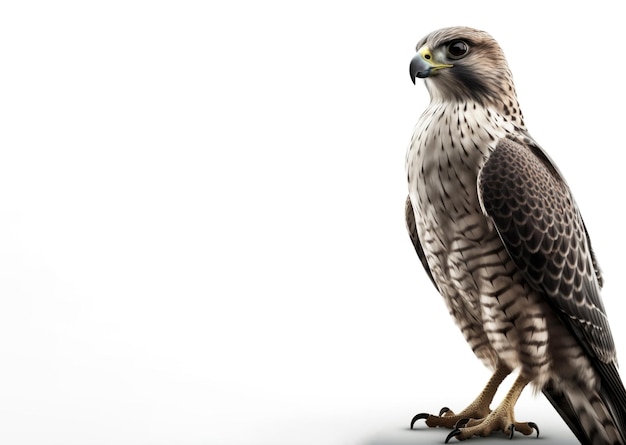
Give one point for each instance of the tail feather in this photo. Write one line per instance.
(563, 406)
(597, 417)
(613, 394)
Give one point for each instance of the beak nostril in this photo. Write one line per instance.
(427, 57)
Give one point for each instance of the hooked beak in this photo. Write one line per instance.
(424, 65)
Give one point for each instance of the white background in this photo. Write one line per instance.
(201, 214)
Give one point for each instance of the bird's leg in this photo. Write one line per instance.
(502, 418)
(478, 409)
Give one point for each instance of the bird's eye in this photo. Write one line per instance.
(457, 49)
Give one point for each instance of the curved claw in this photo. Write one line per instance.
(418, 417)
(454, 432)
(443, 410)
(534, 426)
(511, 431)
(461, 422)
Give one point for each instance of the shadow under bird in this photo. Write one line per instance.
(498, 231)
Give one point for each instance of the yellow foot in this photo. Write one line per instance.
(447, 418)
(478, 409)
(498, 420)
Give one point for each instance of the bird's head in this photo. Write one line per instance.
(462, 64)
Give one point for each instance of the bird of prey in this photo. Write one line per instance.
(498, 231)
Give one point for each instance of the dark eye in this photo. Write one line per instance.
(457, 49)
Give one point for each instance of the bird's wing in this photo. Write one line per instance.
(412, 229)
(535, 214)
(533, 210)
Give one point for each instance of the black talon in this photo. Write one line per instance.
(534, 426)
(443, 410)
(461, 423)
(454, 432)
(418, 417)
(512, 429)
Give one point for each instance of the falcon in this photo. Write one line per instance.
(498, 231)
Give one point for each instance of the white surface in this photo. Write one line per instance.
(201, 214)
